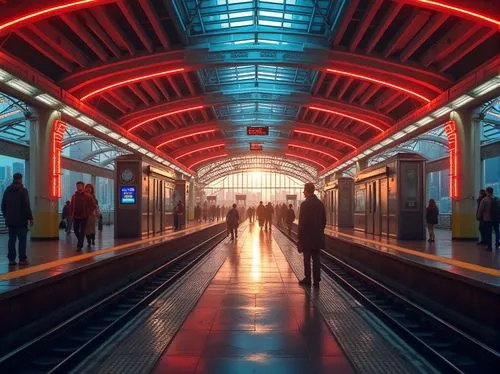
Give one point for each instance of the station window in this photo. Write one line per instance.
(438, 188)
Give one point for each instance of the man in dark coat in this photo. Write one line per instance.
(269, 212)
(82, 206)
(312, 222)
(232, 220)
(290, 217)
(17, 213)
(261, 214)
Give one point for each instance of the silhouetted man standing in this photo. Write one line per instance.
(312, 222)
(17, 213)
(232, 221)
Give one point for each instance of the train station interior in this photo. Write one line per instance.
(171, 112)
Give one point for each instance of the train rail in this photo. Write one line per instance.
(446, 347)
(64, 346)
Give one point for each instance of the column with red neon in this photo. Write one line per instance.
(56, 169)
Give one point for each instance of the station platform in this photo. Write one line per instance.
(50, 258)
(242, 311)
(461, 258)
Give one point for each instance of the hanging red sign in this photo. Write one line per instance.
(56, 169)
(256, 147)
(450, 129)
(257, 130)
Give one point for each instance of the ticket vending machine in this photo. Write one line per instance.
(143, 197)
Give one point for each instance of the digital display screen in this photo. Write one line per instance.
(127, 195)
(255, 147)
(258, 130)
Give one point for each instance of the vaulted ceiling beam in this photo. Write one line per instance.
(436, 21)
(74, 24)
(389, 16)
(113, 29)
(132, 20)
(98, 30)
(155, 22)
(44, 49)
(370, 12)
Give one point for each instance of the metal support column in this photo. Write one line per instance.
(45, 208)
(463, 218)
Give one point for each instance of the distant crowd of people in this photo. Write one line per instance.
(209, 212)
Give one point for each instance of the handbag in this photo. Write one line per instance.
(62, 225)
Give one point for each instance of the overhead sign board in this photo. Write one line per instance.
(257, 130)
(256, 147)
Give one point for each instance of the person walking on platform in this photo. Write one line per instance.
(66, 216)
(431, 217)
(482, 235)
(232, 220)
(312, 222)
(495, 215)
(484, 217)
(17, 213)
(197, 213)
(269, 216)
(261, 214)
(249, 214)
(290, 217)
(178, 215)
(284, 214)
(205, 211)
(92, 219)
(82, 206)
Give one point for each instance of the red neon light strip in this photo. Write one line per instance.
(383, 83)
(56, 171)
(43, 12)
(185, 136)
(494, 21)
(132, 80)
(314, 150)
(199, 149)
(450, 129)
(325, 137)
(165, 115)
(207, 159)
(347, 116)
(305, 158)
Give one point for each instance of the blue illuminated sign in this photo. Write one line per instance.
(127, 195)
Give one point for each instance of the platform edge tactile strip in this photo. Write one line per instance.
(137, 347)
(367, 350)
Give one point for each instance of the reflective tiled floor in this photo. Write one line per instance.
(254, 318)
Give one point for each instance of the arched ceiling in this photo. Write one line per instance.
(188, 76)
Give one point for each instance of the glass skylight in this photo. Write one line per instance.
(301, 16)
(276, 78)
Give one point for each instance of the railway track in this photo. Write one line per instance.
(449, 349)
(64, 346)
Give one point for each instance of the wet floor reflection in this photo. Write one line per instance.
(254, 318)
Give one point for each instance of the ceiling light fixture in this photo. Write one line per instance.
(131, 80)
(199, 149)
(185, 136)
(206, 159)
(325, 137)
(164, 115)
(347, 116)
(383, 83)
(305, 159)
(312, 149)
